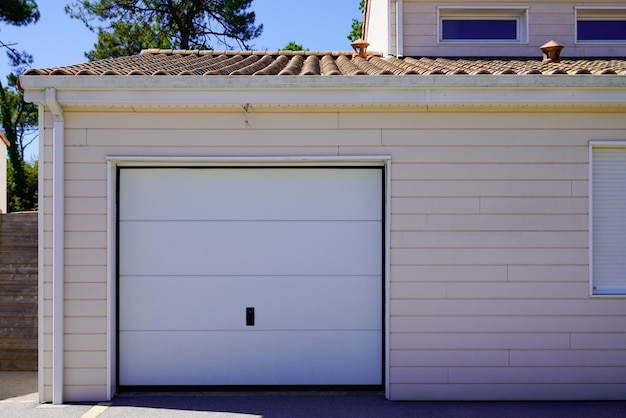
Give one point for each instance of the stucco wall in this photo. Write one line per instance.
(489, 241)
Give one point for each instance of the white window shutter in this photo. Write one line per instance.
(608, 226)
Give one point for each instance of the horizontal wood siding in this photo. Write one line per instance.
(18, 291)
(489, 258)
(489, 261)
(489, 280)
(547, 20)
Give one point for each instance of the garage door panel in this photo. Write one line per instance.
(242, 194)
(251, 358)
(219, 303)
(302, 245)
(250, 248)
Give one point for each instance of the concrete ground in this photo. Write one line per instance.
(18, 399)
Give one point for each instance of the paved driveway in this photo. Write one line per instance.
(19, 400)
(344, 406)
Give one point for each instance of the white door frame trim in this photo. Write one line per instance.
(113, 162)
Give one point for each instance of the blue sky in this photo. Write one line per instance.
(317, 25)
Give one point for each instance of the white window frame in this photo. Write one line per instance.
(598, 13)
(519, 14)
(619, 291)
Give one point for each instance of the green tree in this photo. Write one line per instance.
(22, 198)
(124, 27)
(19, 123)
(127, 38)
(356, 30)
(292, 46)
(18, 118)
(19, 12)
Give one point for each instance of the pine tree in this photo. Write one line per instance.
(124, 27)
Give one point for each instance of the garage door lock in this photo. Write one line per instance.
(250, 316)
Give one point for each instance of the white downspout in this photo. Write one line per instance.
(40, 259)
(58, 245)
(399, 29)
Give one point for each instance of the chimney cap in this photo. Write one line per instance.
(551, 51)
(360, 48)
(552, 44)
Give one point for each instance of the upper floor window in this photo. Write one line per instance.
(489, 24)
(600, 25)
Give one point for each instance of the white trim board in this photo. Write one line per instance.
(113, 162)
(328, 91)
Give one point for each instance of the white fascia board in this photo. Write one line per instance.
(330, 91)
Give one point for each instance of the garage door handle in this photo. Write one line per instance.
(250, 316)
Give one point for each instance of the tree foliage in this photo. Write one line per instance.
(127, 38)
(19, 123)
(124, 27)
(19, 12)
(356, 30)
(19, 119)
(22, 198)
(292, 46)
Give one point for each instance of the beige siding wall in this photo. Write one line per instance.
(489, 242)
(85, 272)
(547, 20)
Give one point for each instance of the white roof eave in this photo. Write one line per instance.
(316, 91)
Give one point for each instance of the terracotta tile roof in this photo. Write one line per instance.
(155, 62)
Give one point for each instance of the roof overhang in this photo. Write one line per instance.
(404, 91)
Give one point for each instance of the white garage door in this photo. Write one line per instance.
(250, 276)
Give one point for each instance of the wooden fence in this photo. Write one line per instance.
(18, 291)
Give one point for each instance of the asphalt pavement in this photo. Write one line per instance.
(18, 399)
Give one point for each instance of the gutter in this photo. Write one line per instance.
(58, 238)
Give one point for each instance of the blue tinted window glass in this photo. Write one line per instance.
(477, 29)
(602, 30)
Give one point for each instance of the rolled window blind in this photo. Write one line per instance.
(608, 194)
